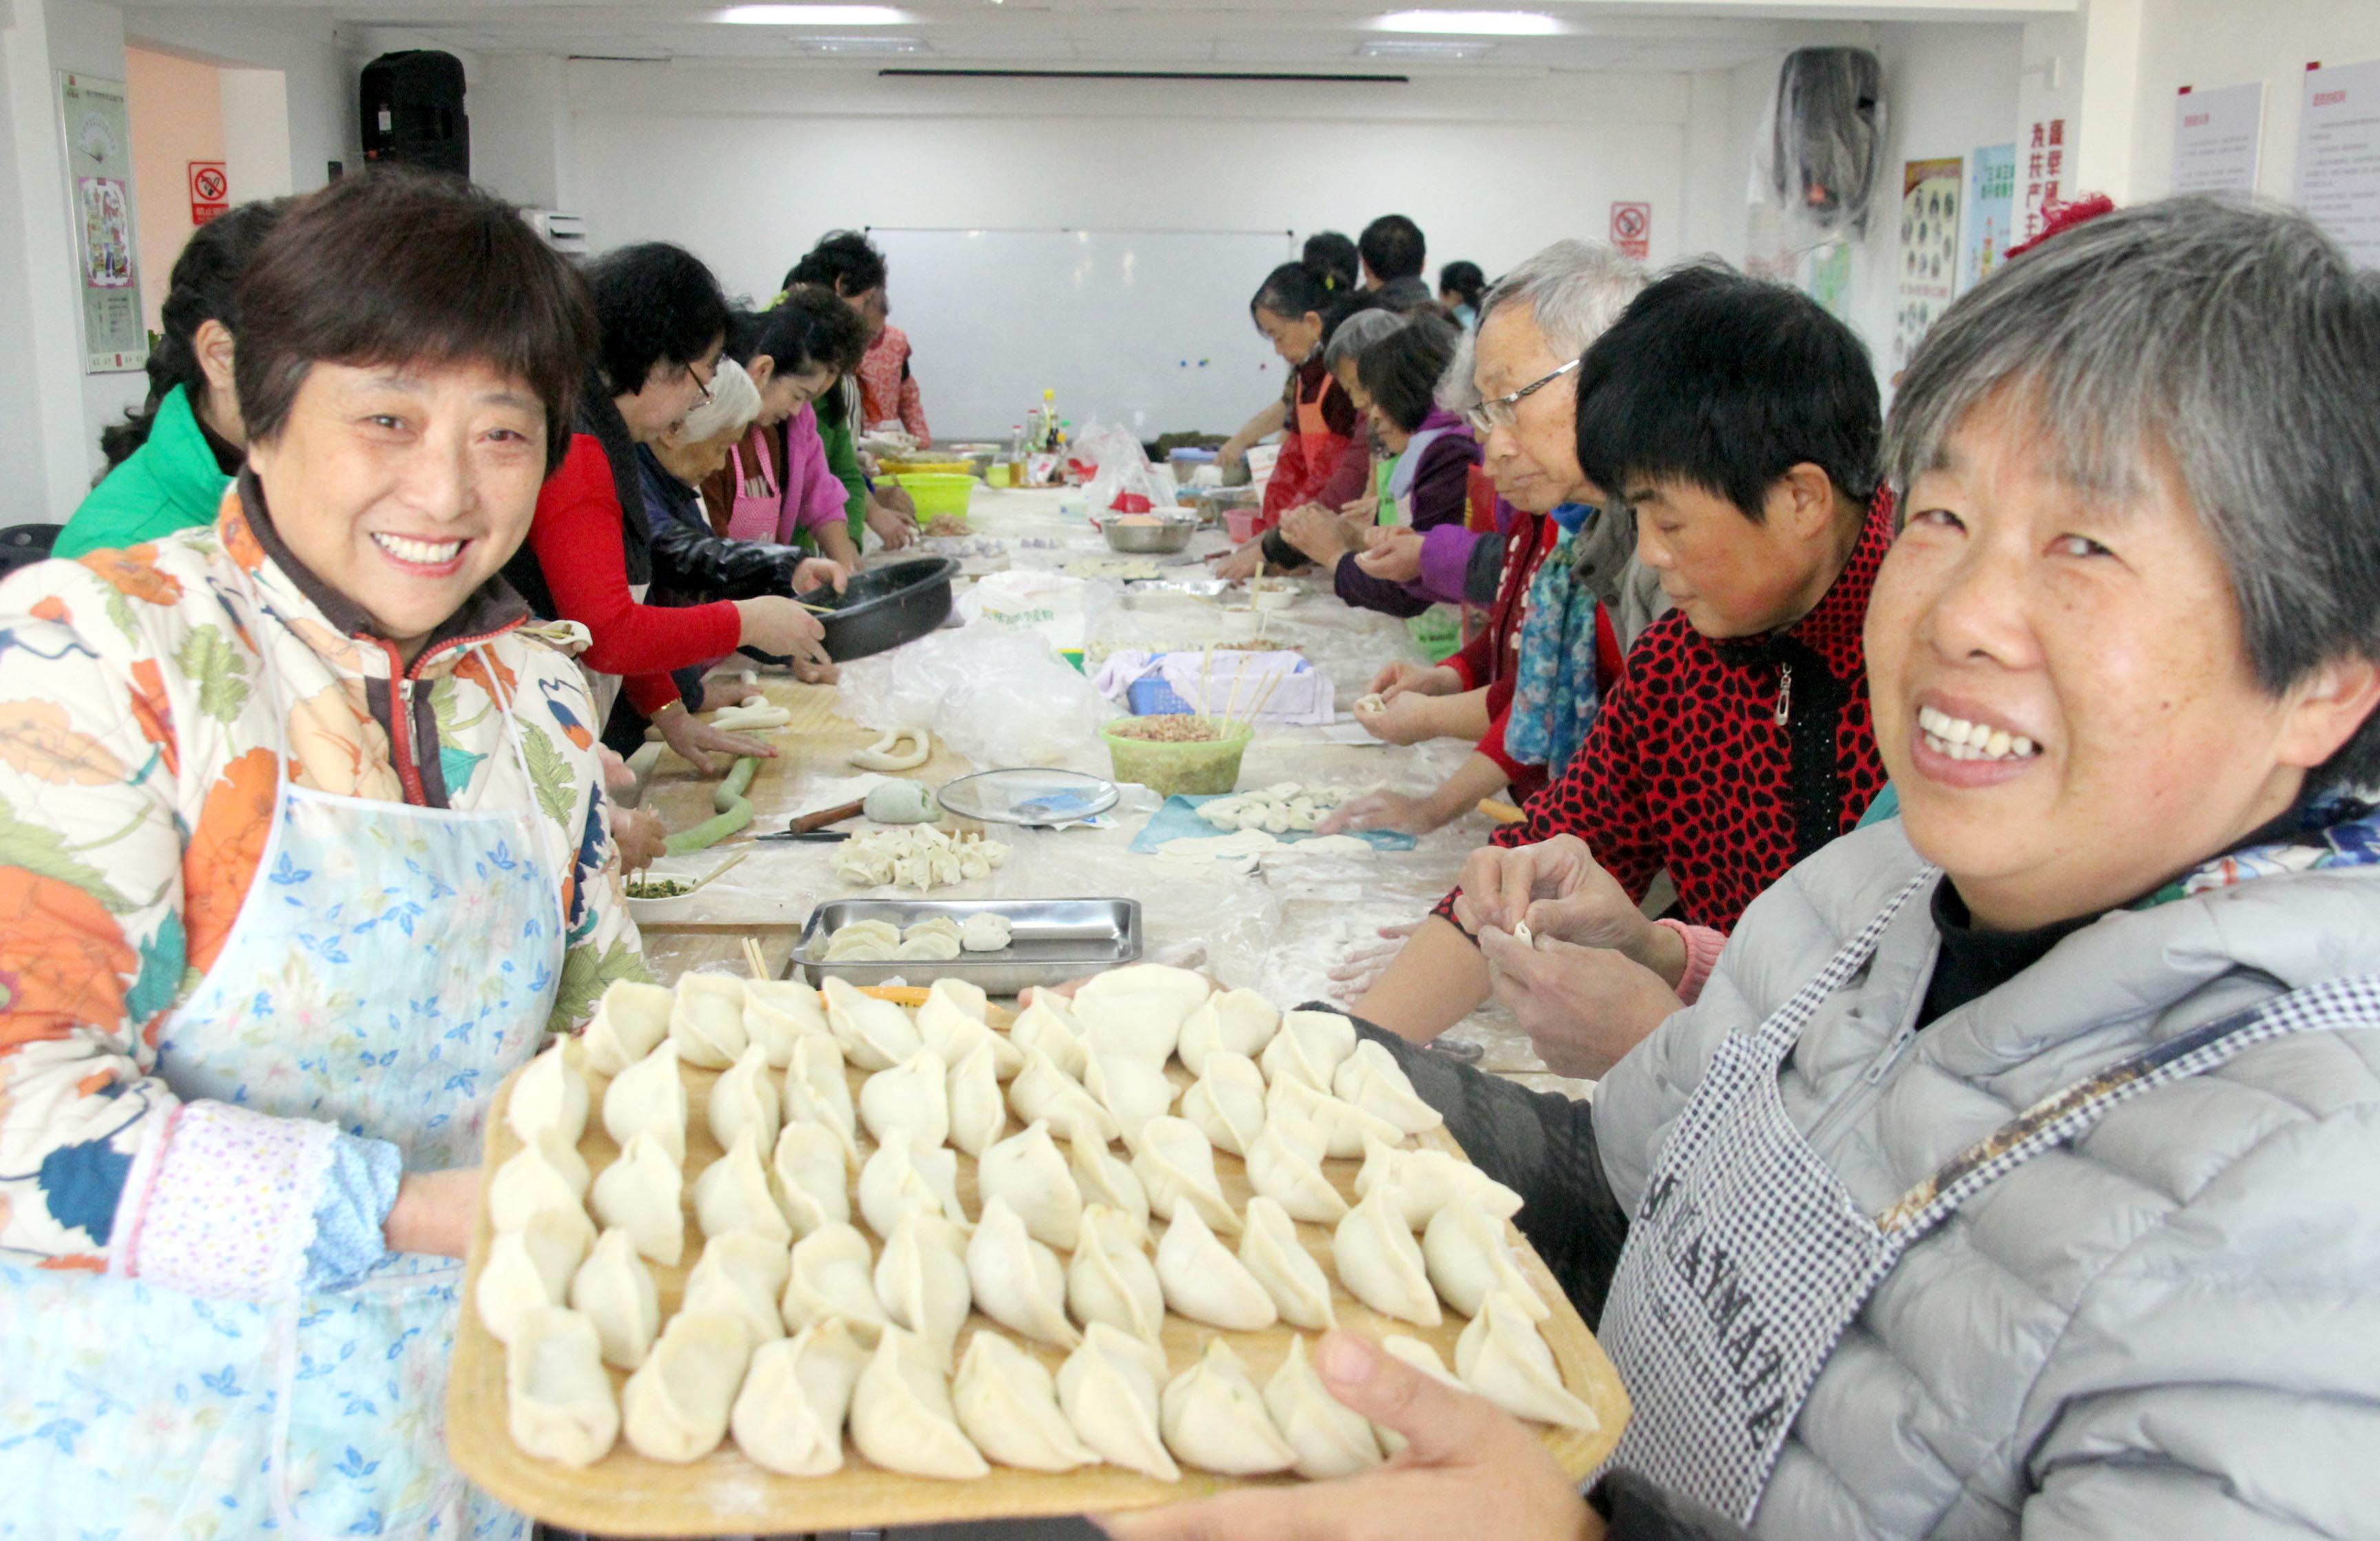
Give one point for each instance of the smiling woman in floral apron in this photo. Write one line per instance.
(302, 849)
(2018, 1172)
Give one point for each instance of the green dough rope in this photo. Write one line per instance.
(735, 811)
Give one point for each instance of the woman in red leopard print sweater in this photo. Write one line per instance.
(1739, 421)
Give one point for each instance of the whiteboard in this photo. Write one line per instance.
(1149, 328)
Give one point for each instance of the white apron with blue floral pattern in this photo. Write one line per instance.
(390, 965)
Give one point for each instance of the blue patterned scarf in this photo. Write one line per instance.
(1555, 694)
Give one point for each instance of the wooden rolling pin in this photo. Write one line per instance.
(820, 820)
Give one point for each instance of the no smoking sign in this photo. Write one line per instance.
(210, 191)
(1631, 229)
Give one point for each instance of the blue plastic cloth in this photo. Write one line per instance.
(1178, 819)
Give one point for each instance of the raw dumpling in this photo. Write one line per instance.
(870, 931)
(1141, 1006)
(1372, 1080)
(1132, 1089)
(861, 948)
(1425, 1180)
(1380, 1264)
(817, 1091)
(708, 1022)
(615, 1289)
(1227, 1101)
(648, 1098)
(629, 1021)
(921, 1281)
(901, 1413)
(1309, 1046)
(912, 1101)
(675, 1407)
(1205, 1283)
(1345, 1126)
(741, 1274)
(934, 947)
(1102, 1179)
(875, 1035)
(777, 1012)
(546, 1173)
(813, 1182)
(528, 1269)
(1214, 1419)
(1176, 1165)
(551, 1095)
(733, 1193)
(978, 1113)
(1017, 1280)
(1238, 1020)
(985, 932)
(789, 1415)
(1042, 1091)
(1422, 1357)
(1285, 1165)
(1110, 1279)
(1008, 1404)
(1501, 1356)
(558, 1402)
(1272, 1252)
(643, 1193)
(827, 1278)
(903, 1176)
(746, 1101)
(1466, 1252)
(1108, 1389)
(1048, 1025)
(952, 1024)
(1026, 1173)
(1331, 1439)
(932, 926)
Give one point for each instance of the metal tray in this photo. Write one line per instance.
(1051, 940)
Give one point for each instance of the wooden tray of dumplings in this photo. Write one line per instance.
(627, 1494)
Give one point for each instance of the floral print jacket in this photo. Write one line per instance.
(138, 785)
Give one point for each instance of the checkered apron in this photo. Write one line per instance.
(1747, 1259)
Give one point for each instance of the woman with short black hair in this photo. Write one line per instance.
(778, 484)
(1461, 287)
(846, 264)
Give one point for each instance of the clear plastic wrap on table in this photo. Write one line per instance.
(995, 697)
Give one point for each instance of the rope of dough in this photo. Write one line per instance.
(879, 755)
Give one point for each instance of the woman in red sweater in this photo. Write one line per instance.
(1297, 312)
(589, 556)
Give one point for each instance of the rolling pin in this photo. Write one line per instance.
(808, 822)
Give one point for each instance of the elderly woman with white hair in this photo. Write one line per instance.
(2018, 1172)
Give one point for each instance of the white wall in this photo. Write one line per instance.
(318, 72)
(176, 111)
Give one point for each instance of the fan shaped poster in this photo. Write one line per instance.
(1928, 273)
(99, 180)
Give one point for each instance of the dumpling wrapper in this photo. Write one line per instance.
(789, 1416)
(1044, 1093)
(746, 1099)
(1132, 1089)
(546, 1173)
(1371, 1079)
(911, 1100)
(1148, 1001)
(733, 1193)
(778, 1012)
(648, 1098)
(1502, 1357)
(630, 1018)
(978, 1114)
(1048, 1025)
(1017, 1281)
(1331, 1439)
(740, 1273)
(828, 1277)
(615, 1289)
(1272, 1253)
(707, 1024)
(1310, 1046)
(875, 1035)
(953, 1030)
(1176, 1165)
(642, 1192)
(1425, 1180)
(1227, 1101)
(921, 1281)
(674, 1407)
(528, 1269)
(901, 1413)
(1026, 1173)
(1007, 1403)
(558, 1402)
(1203, 1282)
(1240, 1020)
(1381, 1265)
(1108, 1389)
(1285, 1165)
(1345, 1126)
(903, 1176)
(1110, 1279)
(817, 1091)
(1468, 1259)
(813, 1179)
(1214, 1419)
(1103, 1178)
(551, 1095)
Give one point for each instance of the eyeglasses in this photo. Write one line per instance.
(1504, 411)
(701, 386)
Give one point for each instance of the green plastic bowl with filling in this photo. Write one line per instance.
(938, 491)
(1199, 769)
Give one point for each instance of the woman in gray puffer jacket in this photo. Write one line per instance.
(2017, 1172)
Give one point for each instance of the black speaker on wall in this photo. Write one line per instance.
(413, 111)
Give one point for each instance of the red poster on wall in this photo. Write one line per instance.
(1631, 229)
(210, 191)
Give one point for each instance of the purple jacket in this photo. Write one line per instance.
(1436, 483)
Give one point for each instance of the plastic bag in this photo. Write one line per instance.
(1033, 601)
(1123, 482)
(997, 697)
(1819, 163)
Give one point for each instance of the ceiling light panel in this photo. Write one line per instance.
(1490, 24)
(1424, 49)
(813, 16)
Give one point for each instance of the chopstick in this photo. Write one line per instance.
(715, 871)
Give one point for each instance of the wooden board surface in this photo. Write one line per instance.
(628, 1495)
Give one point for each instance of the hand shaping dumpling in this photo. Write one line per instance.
(708, 1022)
(1102, 1179)
(546, 1173)
(740, 1273)
(648, 1098)
(777, 1012)
(910, 1100)
(1468, 1258)
(1345, 1126)
(733, 1193)
(818, 1092)
(1331, 1439)
(1285, 1165)
(528, 1269)
(813, 1183)
(1239, 1020)
(1042, 1091)
(1140, 1007)
(1176, 1165)
(643, 1193)
(1273, 1254)
(875, 1035)
(1422, 1357)
(903, 1176)
(789, 1415)
(1108, 1389)
(629, 1021)
(558, 1401)
(1026, 1173)
(828, 1276)
(901, 1413)
(1017, 1280)
(1132, 1089)
(978, 1113)
(1425, 1180)
(1227, 1101)
(746, 1099)
(1008, 1405)
(1110, 1279)
(1310, 1046)
(1380, 1264)
(921, 1281)
(1372, 1080)
(1205, 1282)
(1502, 1357)
(1048, 1025)
(615, 1289)
(676, 1407)
(551, 1095)
(1215, 1418)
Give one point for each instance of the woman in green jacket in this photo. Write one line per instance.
(169, 463)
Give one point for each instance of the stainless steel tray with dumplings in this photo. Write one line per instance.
(1051, 941)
